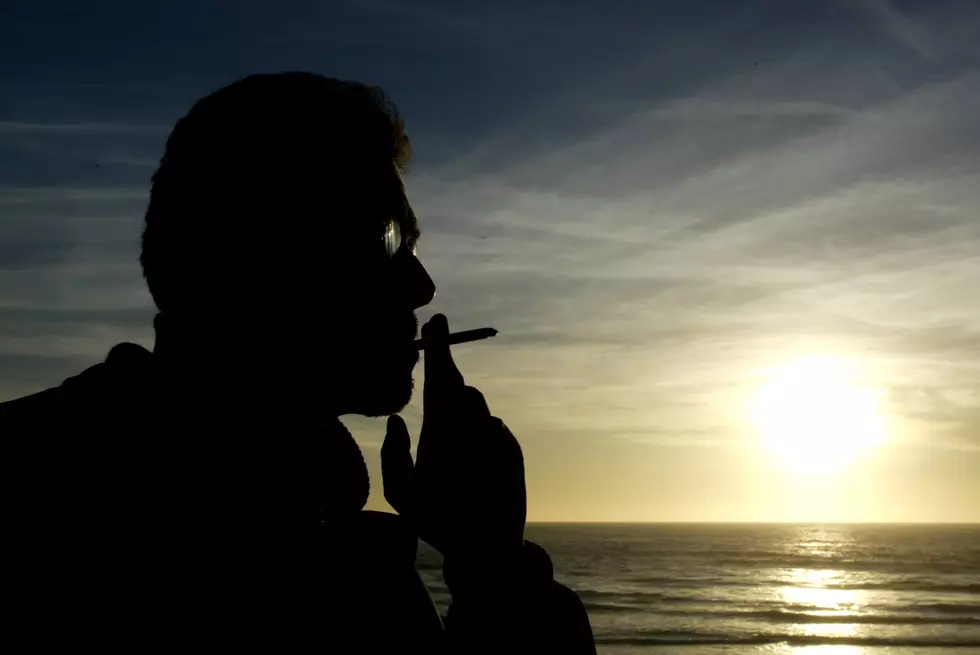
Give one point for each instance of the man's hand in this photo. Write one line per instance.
(465, 494)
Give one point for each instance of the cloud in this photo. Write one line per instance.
(901, 27)
(8, 128)
(31, 249)
(699, 109)
(52, 195)
(665, 256)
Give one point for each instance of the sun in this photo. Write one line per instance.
(814, 416)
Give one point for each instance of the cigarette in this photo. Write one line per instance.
(462, 337)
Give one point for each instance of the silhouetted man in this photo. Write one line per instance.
(204, 495)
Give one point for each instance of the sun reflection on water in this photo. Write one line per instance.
(823, 594)
(816, 589)
(812, 592)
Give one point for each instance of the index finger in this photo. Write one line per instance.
(442, 377)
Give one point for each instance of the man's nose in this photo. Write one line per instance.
(414, 280)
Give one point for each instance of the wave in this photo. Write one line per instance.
(912, 585)
(950, 608)
(588, 594)
(790, 617)
(735, 558)
(966, 588)
(610, 607)
(783, 616)
(671, 638)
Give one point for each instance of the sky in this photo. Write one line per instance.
(667, 209)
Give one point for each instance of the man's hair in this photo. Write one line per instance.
(250, 157)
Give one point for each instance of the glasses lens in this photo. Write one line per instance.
(392, 237)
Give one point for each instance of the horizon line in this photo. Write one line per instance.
(919, 523)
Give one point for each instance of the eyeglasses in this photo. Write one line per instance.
(394, 240)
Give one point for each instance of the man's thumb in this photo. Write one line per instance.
(397, 468)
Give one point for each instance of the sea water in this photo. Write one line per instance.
(735, 589)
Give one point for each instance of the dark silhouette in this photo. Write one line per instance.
(205, 496)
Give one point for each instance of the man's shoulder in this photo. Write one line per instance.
(62, 400)
(98, 390)
(42, 403)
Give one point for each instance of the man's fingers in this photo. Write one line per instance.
(472, 404)
(437, 326)
(461, 422)
(397, 439)
(397, 468)
(441, 373)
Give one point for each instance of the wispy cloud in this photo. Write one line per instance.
(667, 256)
(700, 109)
(47, 195)
(25, 127)
(904, 29)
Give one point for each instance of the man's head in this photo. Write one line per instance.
(265, 240)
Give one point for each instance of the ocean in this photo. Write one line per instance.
(737, 589)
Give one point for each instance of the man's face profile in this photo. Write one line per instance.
(374, 369)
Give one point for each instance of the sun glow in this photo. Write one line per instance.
(813, 415)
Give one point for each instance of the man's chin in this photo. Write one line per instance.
(375, 386)
(383, 400)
